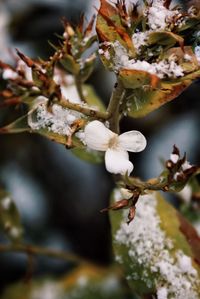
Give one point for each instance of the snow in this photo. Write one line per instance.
(186, 194)
(174, 158)
(186, 165)
(187, 57)
(197, 52)
(59, 121)
(139, 39)
(159, 17)
(163, 68)
(9, 74)
(48, 290)
(70, 93)
(162, 293)
(14, 232)
(147, 244)
(5, 203)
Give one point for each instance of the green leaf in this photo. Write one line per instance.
(86, 282)
(190, 23)
(165, 38)
(92, 98)
(88, 68)
(159, 248)
(70, 64)
(88, 155)
(10, 222)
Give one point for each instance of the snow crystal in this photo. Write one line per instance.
(5, 203)
(71, 94)
(197, 227)
(186, 165)
(125, 193)
(23, 67)
(187, 57)
(162, 293)
(48, 290)
(159, 17)
(186, 194)
(81, 135)
(59, 121)
(117, 195)
(82, 281)
(139, 39)
(163, 68)
(148, 245)
(197, 52)
(14, 232)
(9, 74)
(174, 158)
(185, 264)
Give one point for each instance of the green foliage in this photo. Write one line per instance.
(10, 223)
(86, 282)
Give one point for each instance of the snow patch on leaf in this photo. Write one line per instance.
(147, 244)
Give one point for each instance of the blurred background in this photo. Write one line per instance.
(59, 196)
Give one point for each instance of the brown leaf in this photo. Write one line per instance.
(191, 236)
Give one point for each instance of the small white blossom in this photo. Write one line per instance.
(100, 138)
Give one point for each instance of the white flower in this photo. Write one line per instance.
(100, 138)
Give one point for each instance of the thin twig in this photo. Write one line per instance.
(113, 107)
(83, 109)
(35, 250)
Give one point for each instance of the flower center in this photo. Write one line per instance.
(113, 142)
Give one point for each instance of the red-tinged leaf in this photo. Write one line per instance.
(133, 79)
(109, 27)
(142, 101)
(191, 236)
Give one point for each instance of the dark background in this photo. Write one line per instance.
(59, 196)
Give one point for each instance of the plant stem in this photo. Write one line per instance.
(79, 88)
(154, 186)
(83, 109)
(35, 250)
(114, 105)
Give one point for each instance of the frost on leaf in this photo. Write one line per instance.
(144, 47)
(158, 257)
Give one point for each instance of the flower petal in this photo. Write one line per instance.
(117, 162)
(132, 141)
(97, 136)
